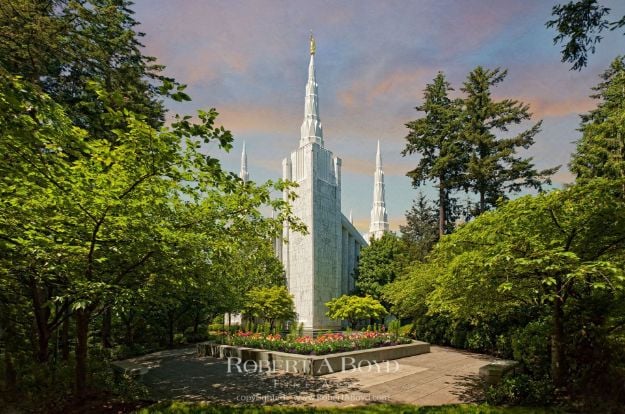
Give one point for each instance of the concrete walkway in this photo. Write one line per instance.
(444, 376)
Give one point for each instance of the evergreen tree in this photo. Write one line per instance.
(493, 167)
(601, 150)
(421, 230)
(435, 138)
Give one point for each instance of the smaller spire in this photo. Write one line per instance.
(351, 219)
(379, 217)
(243, 174)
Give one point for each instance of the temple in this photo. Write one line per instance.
(319, 265)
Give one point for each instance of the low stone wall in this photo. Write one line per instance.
(251, 358)
(493, 373)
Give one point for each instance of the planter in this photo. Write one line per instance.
(308, 364)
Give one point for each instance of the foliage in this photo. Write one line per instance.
(408, 293)
(540, 279)
(355, 308)
(579, 25)
(394, 328)
(381, 262)
(535, 251)
(323, 344)
(530, 346)
(435, 137)
(601, 150)
(89, 229)
(521, 389)
(271, 304)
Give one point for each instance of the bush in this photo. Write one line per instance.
(197, 337)
(521, 389)
(216, 327)
(530, 346)
(407, 331)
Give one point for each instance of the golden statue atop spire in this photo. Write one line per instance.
(313, 45)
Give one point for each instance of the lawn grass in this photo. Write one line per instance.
(203, 408)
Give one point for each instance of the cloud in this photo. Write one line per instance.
(246, 118)
(543, 107)
(367, 166)
(399, 85)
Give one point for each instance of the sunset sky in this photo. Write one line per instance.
(249, 60)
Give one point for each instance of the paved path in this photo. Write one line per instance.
(443, 376)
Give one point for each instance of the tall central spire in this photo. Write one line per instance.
(311, 127)
(379, 218)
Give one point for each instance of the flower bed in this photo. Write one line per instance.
(324, 344)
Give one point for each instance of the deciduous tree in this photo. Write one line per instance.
(355, 308)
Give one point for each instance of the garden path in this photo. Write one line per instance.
(443, 376)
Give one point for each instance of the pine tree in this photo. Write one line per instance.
(421, 231)
(435, 138)
(601, 150)
(494, 168)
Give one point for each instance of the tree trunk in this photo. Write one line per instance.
(106, 328)
(42, 314)
(557, 340)
(482, 202)
(10, 374)
(82, 336)
(43, 347)
(128, 324)
(196, 323)
(441, 207)
(65, 339)
(170, 331)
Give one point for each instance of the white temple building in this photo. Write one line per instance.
(319, 265)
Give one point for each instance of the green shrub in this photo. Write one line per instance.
(521, 389)
(407, 331)
(216, 327)
(530, 346)
(195, 337)
(179, 339)
(394, 327)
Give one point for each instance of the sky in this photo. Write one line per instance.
(249, 60)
